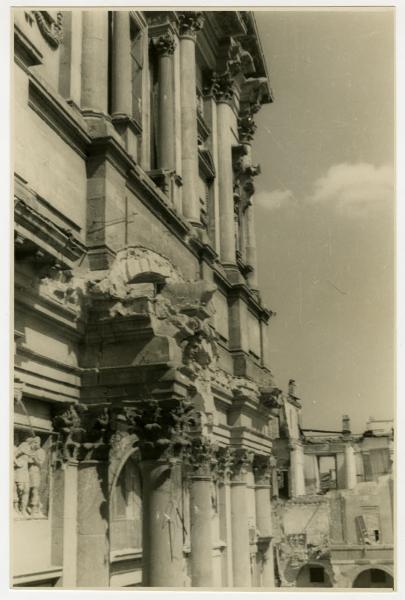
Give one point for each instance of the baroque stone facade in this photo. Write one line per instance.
(143, 431)
(152, 447)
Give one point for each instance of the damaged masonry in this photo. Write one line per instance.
(152, 447)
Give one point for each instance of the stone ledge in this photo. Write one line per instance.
(58, 114)
(36, 576)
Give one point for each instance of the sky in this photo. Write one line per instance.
(325, 210)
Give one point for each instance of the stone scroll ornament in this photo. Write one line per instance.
(51, 28)
(28, 460)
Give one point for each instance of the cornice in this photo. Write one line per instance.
(25, 52)
(61, 239)
(57, 113)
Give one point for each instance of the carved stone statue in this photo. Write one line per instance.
(28, 459)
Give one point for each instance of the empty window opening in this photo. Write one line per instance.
(327, 473)
(316, 574)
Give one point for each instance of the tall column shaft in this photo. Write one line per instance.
(200, 532)
(226, 531)
(297, 470)
(189, 145)
(262, 470)
(240, 535)
(350, 467)
(70, 524)
(93, 558)
(94, 94)
(165, 46)
(121, 93)
(162, 526)
(263, 510)
(225, 184)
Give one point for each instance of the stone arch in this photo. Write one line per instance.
(124, 448)
(126, 517)
(137, 264)
(303, 578)
(374, 576)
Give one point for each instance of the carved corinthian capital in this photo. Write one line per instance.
(190, 22)
(262, 470)
(242, 460)
(201, 457)
(222, 87)
(164, 44)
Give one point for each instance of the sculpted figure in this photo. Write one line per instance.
(28, 459)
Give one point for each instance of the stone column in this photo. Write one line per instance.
(239, 518)
(94, 96)
(350, 467)
(224, 457)
(165, 46)
(262, 472)
(223, 93)
(70, 524)
(201, 514)
(121, 92)
(190, 24)
(93, 552)
(297, 479)
(162, 526)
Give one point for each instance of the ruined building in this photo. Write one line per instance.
(332, 504)
(143, 397)
(151, 446)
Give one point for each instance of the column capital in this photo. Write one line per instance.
(190, 23)
(242, 460)
(294, 444)
(164, 44)
(84, 433)
(222, 87)
(262, 470)
(163, 430)
(224, 461)
(200, 457)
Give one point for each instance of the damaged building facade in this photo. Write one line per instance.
(151, 446)
(143, 426)
(332, 503)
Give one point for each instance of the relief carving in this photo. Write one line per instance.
(28, 460)
(50, 27)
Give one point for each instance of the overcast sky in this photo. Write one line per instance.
(325, 209)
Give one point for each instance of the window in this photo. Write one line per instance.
(283, 488)
(327, 473)
(316, 575)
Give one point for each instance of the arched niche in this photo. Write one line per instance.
(375, 577)
(126, 506)
(314, 575)
(136, 264)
